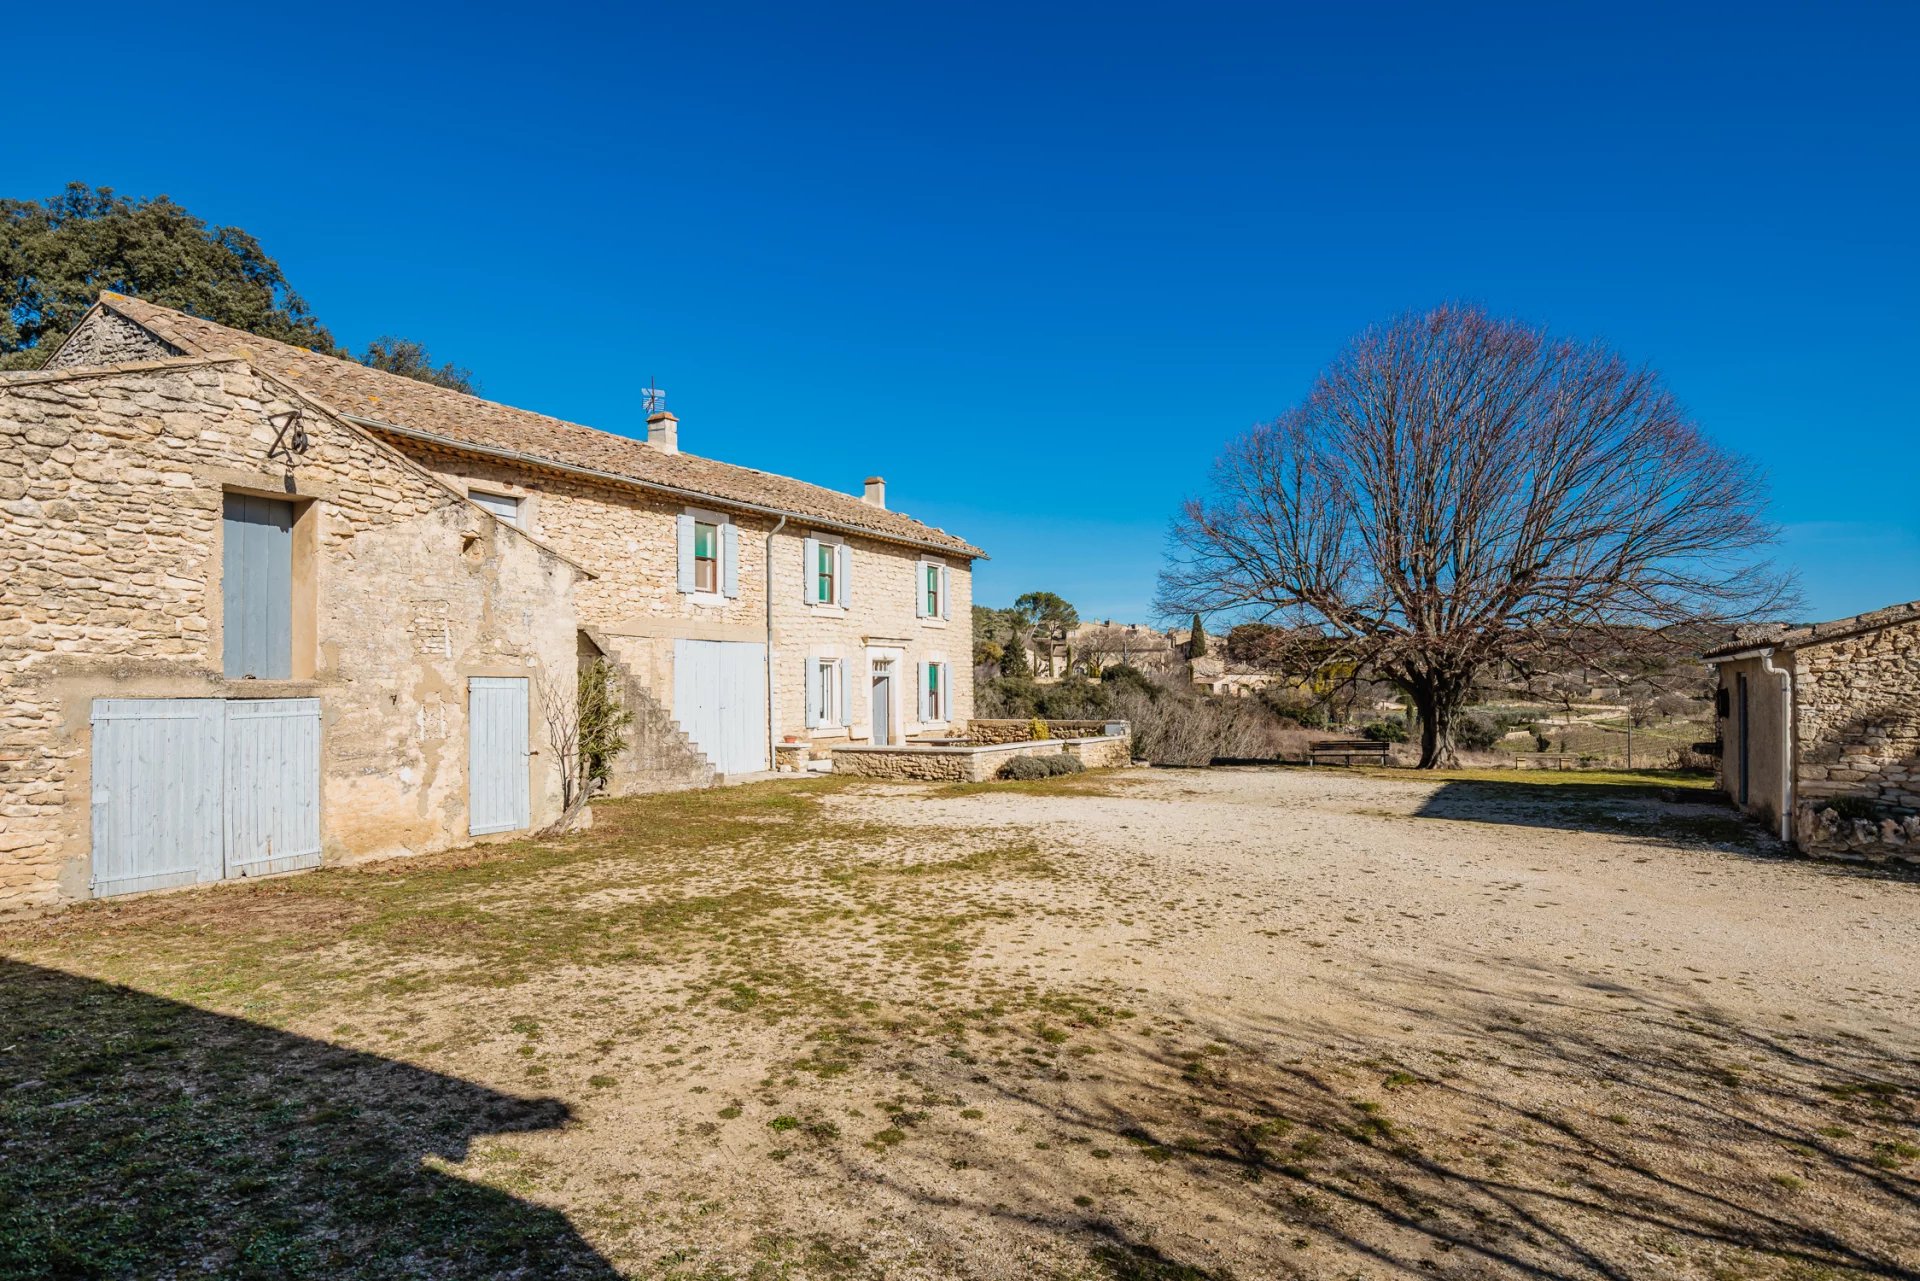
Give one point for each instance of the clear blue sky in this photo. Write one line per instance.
(1036, 263)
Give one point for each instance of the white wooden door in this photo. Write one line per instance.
(272, 801)
(720, 700)
(157, 770)
(498, 791)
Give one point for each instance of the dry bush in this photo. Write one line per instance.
(1176, 727)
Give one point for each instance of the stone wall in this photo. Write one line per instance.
(106, 338)
(973, 763)
(111, 488)
(1857, 789)
(627, 538)
(1019, 731)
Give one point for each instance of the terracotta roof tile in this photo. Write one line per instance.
(1781, 636)
(457, 419)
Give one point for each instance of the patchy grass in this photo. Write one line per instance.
(821, 1029)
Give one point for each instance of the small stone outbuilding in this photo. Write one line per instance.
(1820, 732)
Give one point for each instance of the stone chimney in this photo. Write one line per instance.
(876, 495)
(663, 432)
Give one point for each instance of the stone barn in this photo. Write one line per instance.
(1820, 732)
(240, 635)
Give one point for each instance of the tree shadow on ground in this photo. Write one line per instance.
(1651, 812)
(141, 1137)
(1636, 1133)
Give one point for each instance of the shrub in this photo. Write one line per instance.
(1118, 676)
(1076, 699)
(1029, 768)
(1006, 698)
(1393, 730)
(1038, 731)
(1689, 761)
(1476, 732)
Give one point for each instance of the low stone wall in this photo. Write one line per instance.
(1019, 731)
(1104, 752)
(971, 762)
(1826, 832)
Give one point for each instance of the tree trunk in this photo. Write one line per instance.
(1437, 701)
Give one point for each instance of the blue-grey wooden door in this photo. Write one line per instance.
(720, 700)
(156, 793)
(272, 788)
(256, 587)
(498, 793)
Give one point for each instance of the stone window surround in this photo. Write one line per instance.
(921, 674)
(810, 574)
(829, 657)
(526, 498)
(920, 588)
(708, 516)
(308, 511)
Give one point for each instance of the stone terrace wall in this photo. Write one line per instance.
(976, 763)
(1858, 727)
(1019, 731)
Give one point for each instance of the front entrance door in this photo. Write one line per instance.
(882, 702)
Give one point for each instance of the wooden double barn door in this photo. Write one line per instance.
(720, 700)
(202, 789)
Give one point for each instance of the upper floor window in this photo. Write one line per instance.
(934, 590)
(709, 555)
(505, 506)
(706, 556)
(826, 572)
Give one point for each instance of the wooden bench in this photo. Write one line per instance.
(1346, 749)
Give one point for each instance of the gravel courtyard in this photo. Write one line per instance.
(1170, 1025)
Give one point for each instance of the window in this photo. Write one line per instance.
(826, 564)
(505, 506)
(826, 572)
(827, 693)
(709, 555)
(936, 691)
(706, 557)
(256, 588)
(933, 591)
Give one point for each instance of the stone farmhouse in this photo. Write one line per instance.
(1820, 732)
(262, 608)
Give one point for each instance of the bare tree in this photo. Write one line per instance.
(1457, 489)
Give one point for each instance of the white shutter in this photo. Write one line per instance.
(921, 684)
(685, 527)
(946, 592)
(810, 571)
(845, 576)
(946, 692)
(813, 692)
(920, 588)
(729, 560)
(846, 693)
